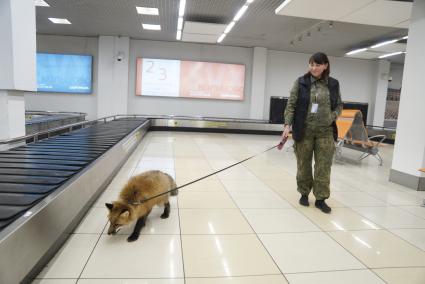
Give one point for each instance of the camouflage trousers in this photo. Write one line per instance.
(317, 141)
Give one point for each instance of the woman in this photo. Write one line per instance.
(313, 106)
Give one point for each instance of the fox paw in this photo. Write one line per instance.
(165, 216)
(132, 238)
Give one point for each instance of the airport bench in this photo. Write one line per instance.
(352, 134)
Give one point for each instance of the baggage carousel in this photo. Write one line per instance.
(47, 186)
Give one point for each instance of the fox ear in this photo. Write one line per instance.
(125, 214)
(109, 206)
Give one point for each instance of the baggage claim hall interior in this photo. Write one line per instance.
(97, 93)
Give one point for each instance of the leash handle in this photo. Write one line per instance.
(282, 143)
(204, 177)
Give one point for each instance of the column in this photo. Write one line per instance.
(113, 75)
(381, 92)
(259, 65)
(17, 61)
(409, 148)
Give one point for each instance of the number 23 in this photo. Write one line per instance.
(162, 71)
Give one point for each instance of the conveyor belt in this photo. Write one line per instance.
(29, 173)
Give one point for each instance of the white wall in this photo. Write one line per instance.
(183, 106)
(60, 101)
(357, 77)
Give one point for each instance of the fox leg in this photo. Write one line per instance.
(166, 212)
(141, 222)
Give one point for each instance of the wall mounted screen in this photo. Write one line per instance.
(190, 79)
(64, 73)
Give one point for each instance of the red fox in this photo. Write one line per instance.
(137, 189)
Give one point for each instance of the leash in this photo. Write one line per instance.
(279, 146)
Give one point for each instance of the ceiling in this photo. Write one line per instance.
(259, 26)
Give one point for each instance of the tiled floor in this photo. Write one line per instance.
(244, 225)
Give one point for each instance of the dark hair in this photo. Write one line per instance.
(321, 58)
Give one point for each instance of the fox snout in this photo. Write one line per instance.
(113, 230)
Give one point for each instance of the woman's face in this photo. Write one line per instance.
(317, 69)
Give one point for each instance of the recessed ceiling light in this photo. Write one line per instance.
(60, 21)
(182, 7)
(229, 27)
(41, 3)
(249, 1)
(405, 37)
(240, 13)
(391, 54)
(151, 27)
(384, 43)
(356, 51)
(147, 11)
(179, 35)
(179, 23)
(220, 39)
(284, 3)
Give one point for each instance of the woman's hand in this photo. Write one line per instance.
(285, 133)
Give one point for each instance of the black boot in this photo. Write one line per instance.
(322, 206)
(304, 200)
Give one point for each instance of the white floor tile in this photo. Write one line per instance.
(213, 221)
(268, 199)
(71, 258)
(380, 249)
(94, 222)
(269, 279)
(130, 281)
(357, 199)
(414, 236)
(54, 281)
(410, 275)
(308, 252)
(391, 217)
(151, 256)
(278, 221)
(415, 210)
(225, 255)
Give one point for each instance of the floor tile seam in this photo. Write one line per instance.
(246, 220)
(360, 213)
(346, 249)
(255, 233)
(236, 276)
(91, 253)
(417, 215)
(383, 200)
(325, 271)
(407, 241)
(126, 278)
(383, 228)
(178, 214)
(329, 236)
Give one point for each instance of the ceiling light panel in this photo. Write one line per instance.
(384, 43)
(316, 10)
(147, 11)
(393, 47)
(60, 21)
(240, 13)
(151, 27)
(391, 54)
(356, 51)
(41, 3)
(365, 55)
